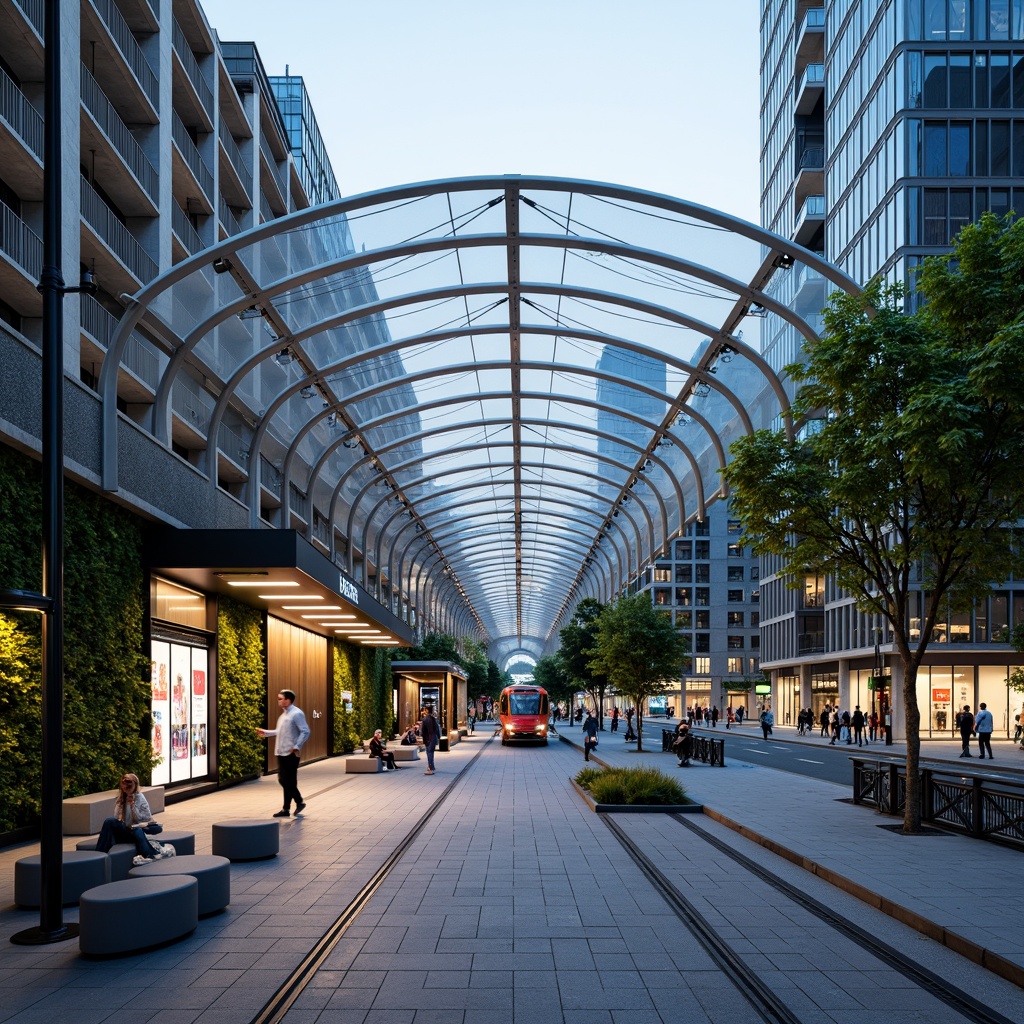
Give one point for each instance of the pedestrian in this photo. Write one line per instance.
(740, 712)
(965, 723)
(767, 720)
(714, 717)
(873, 725)
(430, 733)
(630, 735)
(379, 748)
(615, 719)
(844, 727)
(824, 719)
(682, 744)
(291, 732)
(730, 717)
(983, 727)
(857, 721)
(132, 823)
(589, 735)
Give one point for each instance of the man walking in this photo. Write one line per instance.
(430, 733)
(965, 723)
(291, 732)
(589, 735)
(983, 727)
(857, 721)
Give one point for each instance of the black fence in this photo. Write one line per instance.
(702, 748)
(985, 807)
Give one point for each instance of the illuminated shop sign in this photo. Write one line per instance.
(348, 590)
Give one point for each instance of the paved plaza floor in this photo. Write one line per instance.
(515, 902)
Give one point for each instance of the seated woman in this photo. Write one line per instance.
(378, 748)
(682, 744)
(131, 817)
(409, 737)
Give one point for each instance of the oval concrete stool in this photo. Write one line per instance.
(80, 870)
(120, 854)
(137, 914)
(246, 839)
(212, 873)
(184, 843)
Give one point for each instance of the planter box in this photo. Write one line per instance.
(634, 808)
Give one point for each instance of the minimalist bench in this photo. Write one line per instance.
(122, 854)
(212, 873)
(246, 839)
(405, 753)
(363, 765)
(80, 870)
(137, 914)
(83, 815)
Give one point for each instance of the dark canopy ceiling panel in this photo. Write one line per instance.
(485, 398)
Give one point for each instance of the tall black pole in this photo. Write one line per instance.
(51, 286)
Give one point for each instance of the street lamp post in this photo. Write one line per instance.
(51, 602)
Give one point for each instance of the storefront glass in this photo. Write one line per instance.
(180, 710)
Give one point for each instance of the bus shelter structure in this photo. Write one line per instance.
(438, 685)
(483, 399)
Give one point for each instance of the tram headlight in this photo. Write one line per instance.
(509, 728)
(542, 728)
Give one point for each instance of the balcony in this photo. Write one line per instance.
(142, 16)
(140, 363)
(235, 177)
(21, 263)
(810, 220)
(132, 177)
(121, 68)
(274, 176)
(811, 89)
(21, 26)
(229, 221)
(21, 141)
(192, 94)
(810, 173)
(810, 37)
(188, 159)
(121, 262)
(186, 234)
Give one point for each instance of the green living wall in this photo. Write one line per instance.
(366, 673)
(106, 693)
(241, 690)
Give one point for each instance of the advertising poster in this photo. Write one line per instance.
(160, 668)
(181, 699)
(198, 727)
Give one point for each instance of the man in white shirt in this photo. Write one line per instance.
(291, 732)
(983, 727)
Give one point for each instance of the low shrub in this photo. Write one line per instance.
(631, 786)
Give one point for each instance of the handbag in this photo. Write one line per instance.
(153, 828)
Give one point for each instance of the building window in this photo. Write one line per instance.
(684, 549)
(702, 666)
(684, 620)
(702, 549)
(734, 643)
(736, 595)
(684, 596)
(734, 619)
(703, 596)
(755, 572)
(662, 574)
(755, 642)
(702, 642)
(703, 573)
(661, 596)
(734, 665)
(735, 574)
(702, 528)
(735, 550)
(755, 618)
(734, 527)
(703, 619)
(684, 574)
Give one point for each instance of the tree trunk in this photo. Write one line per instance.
(912, 809)
(639, 730)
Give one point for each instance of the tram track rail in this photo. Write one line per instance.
(274, 1010)
(745, 978)
(962, 1002)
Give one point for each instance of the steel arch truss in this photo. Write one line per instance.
(485, 397)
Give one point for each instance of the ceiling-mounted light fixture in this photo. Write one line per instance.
(350, 442)
(308, 391)
(250, 313)
(284, 357)
(221, 265)
(332, 419)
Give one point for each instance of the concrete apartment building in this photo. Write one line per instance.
(886, 126)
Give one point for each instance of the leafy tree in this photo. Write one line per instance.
(918, 466)
(638, 650)
(474, 661)
(577, 643)
(433, 647)
(1016, 679)
(551, 675)
(496, 679)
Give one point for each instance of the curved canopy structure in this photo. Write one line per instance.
(484, 398)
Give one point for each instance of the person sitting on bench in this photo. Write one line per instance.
(132, 818)
(378, 748)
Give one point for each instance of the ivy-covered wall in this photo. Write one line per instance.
(106, 693)
(366, 673)
(241, 690)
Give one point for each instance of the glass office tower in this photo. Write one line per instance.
(886, 126)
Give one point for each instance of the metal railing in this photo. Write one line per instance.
(182, 226)
(299, 502)
(265, 208)
(20, 242)
(103, 221)
(191, 66)
(812, 158)
(702, 748)
(130, 49)
(190, 407)
(985, 807)
(191, 155)
(235, 157)
(232, 444)
(270, 476)
(268, 154)
(16, 110)
(814, 17)
(120, 137)
(138, 357)
(34, 11)
(228, 219)
(814, 74)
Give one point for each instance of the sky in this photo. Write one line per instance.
(654, 94)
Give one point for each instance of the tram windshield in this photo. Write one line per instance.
(524, 703)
